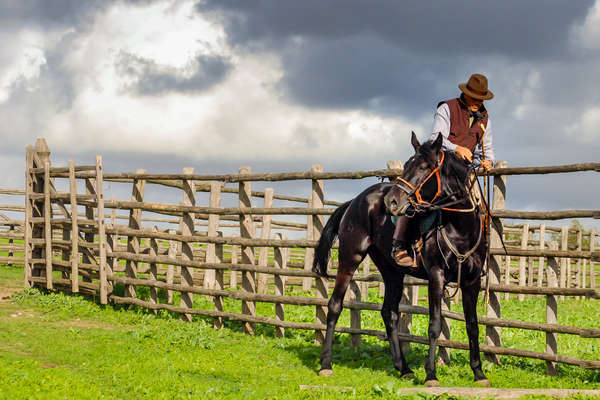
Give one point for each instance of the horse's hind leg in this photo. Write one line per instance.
(348, 263)
(469, 301)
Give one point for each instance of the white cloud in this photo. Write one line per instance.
(243, 117)
(26, 54)
(587, 35)
(585, 130)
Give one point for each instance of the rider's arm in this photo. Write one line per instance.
(488, 142)
(441, 124)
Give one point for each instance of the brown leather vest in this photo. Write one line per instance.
(460, 132)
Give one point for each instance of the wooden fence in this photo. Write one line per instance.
(76, 242)
(11, 229)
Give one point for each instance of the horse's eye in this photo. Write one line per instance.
(421, 168)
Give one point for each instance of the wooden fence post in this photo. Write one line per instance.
(101, 232)
(233, 275)
(551, 310)
(507, 271)
(11, 243)
(492, 333)
(48, 226)
(112, 243)
(265, 234)
(541, 260)
(592, 263)
(28, 224)
(87, 257)
(309, 252)
(366, 270)
(135, 222)
(317, 197)
(564, 245)
(580, 265)
(523, 260)
(219, 283)
(279, 281)
(405, 321)
(187, 254)
(584, 275)
(530, 268)
(354, 293)
(213, 226)
(74, 229)
(247, 230)
(153, 269)
(66, 251)
(34, 208)
(172, 254)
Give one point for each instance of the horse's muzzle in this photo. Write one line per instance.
(395, 207)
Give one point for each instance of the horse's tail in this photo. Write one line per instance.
(330, 232)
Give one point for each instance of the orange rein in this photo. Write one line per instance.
(417, 191)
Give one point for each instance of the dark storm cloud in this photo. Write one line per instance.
(527, 29)
(390, 57)
(365, 72)
(152, 79)
(47, 13)
(52, 13)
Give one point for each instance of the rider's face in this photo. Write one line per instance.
(473, 104)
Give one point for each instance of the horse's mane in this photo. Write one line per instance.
(453, 166)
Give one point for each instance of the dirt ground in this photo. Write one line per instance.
(500, 393)
(6, 290)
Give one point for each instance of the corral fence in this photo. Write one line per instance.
(75, 242)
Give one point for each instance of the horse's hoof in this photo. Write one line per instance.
(408, 375)
(326, 372)
(432, 383)
(483, 382)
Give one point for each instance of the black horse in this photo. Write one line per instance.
(432, 189)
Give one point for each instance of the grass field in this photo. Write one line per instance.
(57, 346)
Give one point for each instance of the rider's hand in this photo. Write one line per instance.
(464, 153)
(486, 165)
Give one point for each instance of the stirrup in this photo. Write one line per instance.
(402, 258)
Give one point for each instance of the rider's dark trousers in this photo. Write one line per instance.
(406, 232)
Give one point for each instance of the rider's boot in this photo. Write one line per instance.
(401, 256)
(401, 251)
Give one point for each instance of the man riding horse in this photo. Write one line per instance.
(464, 123)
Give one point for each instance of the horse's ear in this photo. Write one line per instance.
(415, 142)
(437, 143)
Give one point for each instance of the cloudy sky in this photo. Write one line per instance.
(280, 85)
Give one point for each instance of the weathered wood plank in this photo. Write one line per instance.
(187, 228)
(247, 231)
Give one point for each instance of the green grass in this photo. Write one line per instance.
(59, 346)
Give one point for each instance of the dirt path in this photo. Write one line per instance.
(7, 291)
(500, 393)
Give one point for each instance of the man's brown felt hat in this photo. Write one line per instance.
(476, 87)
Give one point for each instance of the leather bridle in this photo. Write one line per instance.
(416, 200)
(416, 191)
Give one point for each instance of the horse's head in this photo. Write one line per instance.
(420, 182)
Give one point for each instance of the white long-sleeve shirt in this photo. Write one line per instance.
(441, 124)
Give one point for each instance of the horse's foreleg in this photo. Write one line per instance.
(469, 301)
(435, 290)
(391, 317)
(334, 309)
